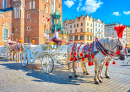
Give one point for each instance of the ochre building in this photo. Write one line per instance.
(80, 30)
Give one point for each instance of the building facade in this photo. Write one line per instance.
(98, 29)
(80, 30)
(110, 32)
(31, 18)
(128, 36)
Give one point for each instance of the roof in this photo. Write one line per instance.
(6, 10)
(56, 14)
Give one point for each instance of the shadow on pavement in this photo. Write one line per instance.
(59, 76)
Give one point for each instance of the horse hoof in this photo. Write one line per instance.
(70, 77)
(76, 76)
(96, 82)
(87, 73)
(101, 77)
(108, 77)
(100, 81)
(83, 72)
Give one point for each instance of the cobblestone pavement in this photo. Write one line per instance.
(15, 78)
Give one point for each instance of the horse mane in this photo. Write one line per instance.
(108, 42)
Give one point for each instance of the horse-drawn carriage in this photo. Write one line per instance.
(47, 53)
(10, 49)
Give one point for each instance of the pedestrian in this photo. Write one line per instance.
(56, 37)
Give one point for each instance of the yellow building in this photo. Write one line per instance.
(80, 30)
(128, 36)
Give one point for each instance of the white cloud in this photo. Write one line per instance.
(69, 3)
(91, 6)
(79, 5)
(116, 13)
(126, 12)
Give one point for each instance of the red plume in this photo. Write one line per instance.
(119, 30)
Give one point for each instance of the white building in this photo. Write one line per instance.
(98, 29)
(110, 32)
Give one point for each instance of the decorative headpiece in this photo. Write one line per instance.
(119, 30)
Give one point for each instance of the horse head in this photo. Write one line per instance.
(120, 44)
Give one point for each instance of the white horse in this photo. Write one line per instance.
(106, 59)
(112, 45)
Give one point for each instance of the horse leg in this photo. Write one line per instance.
(16, 57)
(10, 55)
(106, 72)
(74, 71)
(101, 70)
(82, 65)
(96, 73)
(86, 71)
(70, 75)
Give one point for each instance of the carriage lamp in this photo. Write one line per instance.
(33, 41)
(20, 40)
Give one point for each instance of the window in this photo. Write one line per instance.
(95, 29)
(82, 37)
(98, 25)
(76, 37)
(81, 24)
(14, 12)
(77, 25)
(87, 30)
(70, 26)
(81, 29)
(30, 5)
(91, 30)
(4, 4)
(75, 30)
(5, 34)
(101, 26)
(12, 31)
(87, 37)
(71, 38)
(28, 16)
(33, 4)
(47, 9)
(98, 29)
(70, 31)
(42, 5)
(66, 24)
(90, 37)
(101, 35)
(101, 30)
(91, 25)
(28, 28)
(95, 24)
(74, 25)
(112, 33)
(95, 34)
(87, 24)
(44, 8)
(98, 34)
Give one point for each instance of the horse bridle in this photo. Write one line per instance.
(119, 47)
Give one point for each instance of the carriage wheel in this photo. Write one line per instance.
(6, 54)
(47, 64)
(24, 60)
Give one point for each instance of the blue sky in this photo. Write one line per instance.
(107, 10)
